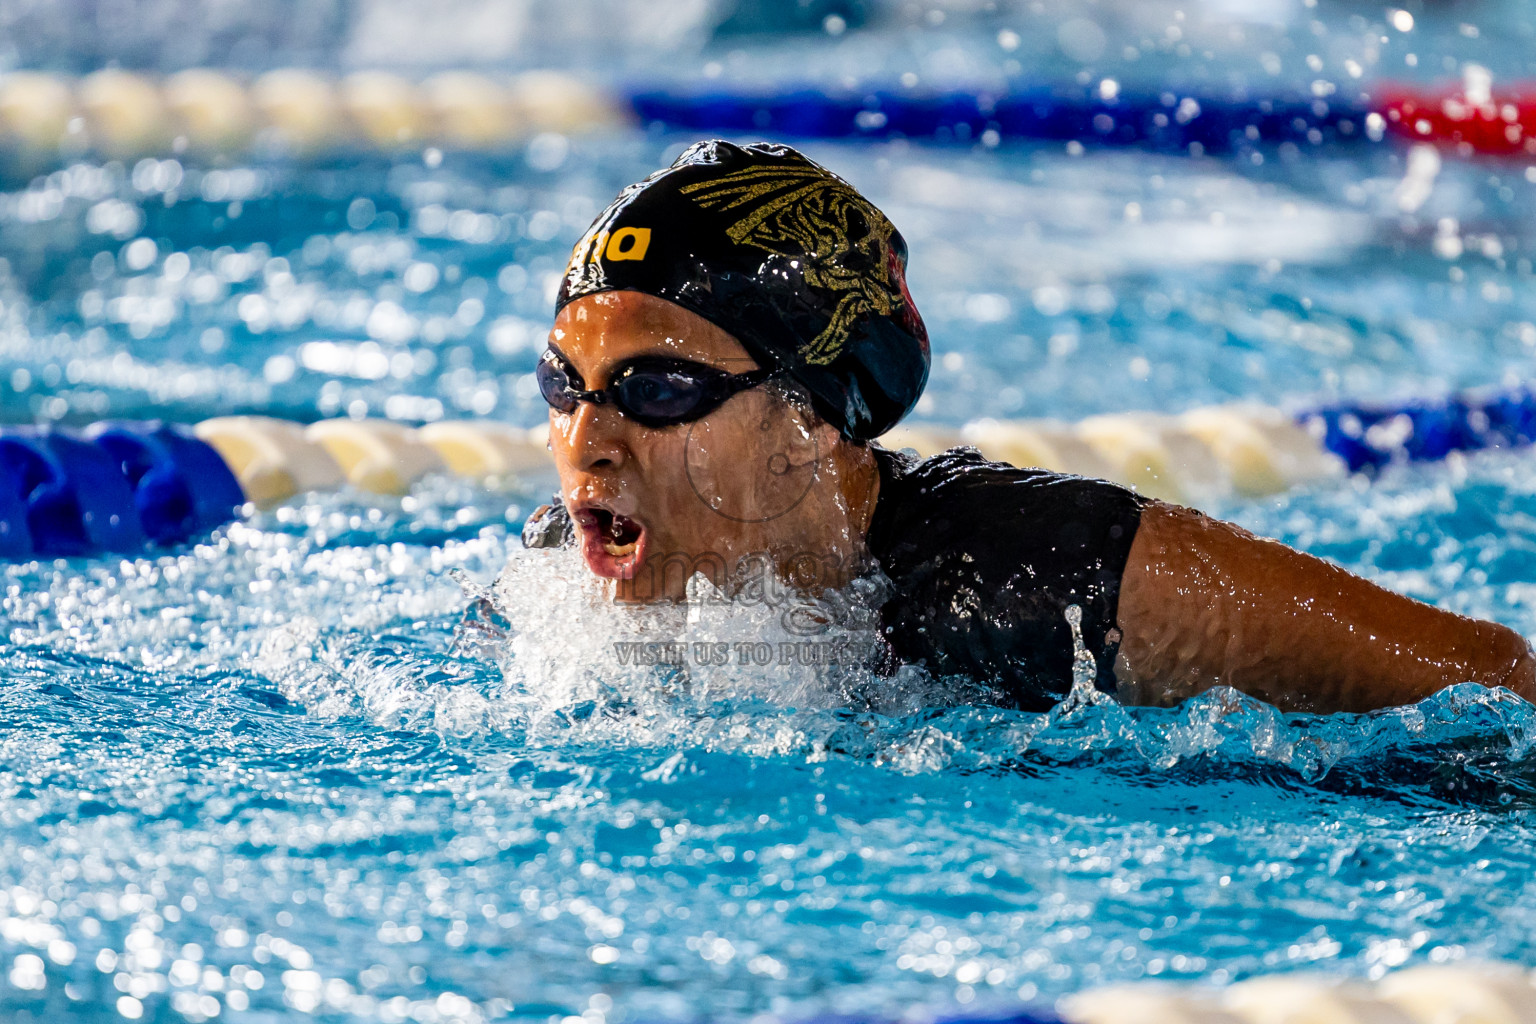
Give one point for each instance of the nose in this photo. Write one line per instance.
(590, 438)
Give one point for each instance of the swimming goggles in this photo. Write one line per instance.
(651, 390)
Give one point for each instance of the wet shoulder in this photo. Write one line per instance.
(960, 503)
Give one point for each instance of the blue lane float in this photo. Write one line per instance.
(181, 487)
(1369, 436)
(115, 488)
(1167, 120)
(75, 498)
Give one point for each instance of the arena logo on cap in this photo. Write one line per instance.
(627, 244)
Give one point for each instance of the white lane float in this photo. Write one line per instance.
(211, 113)
(271, 459)
(274, 460)
(297, 110)
(211, 110)
(124, 113)
(1245, 450)
(1476, 993)
(35, 110)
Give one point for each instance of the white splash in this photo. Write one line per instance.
(1085, 671)
(568, 641)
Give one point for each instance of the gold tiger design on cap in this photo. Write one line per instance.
(806, 213)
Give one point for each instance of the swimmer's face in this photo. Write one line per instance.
(652, 505)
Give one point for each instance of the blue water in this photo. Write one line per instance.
(367, 759)
(265, 762)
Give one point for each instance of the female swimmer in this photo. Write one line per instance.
(731, 335)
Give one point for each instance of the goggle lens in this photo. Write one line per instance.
(659, 395)
(555, 385)
(654, 396)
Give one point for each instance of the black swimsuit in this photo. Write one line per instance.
(984, 559)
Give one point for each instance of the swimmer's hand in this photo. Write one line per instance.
(1205, 603)
(549, 527)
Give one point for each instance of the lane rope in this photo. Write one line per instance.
(1089, 115)
(1463, 993)
(290, 112)
(300, 113)
(123, 487)
(1429, 994)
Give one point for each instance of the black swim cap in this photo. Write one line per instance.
(785, 256)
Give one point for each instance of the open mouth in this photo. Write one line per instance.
(619, 535)
(613, 544)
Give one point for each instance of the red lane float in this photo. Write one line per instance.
(1475, 118)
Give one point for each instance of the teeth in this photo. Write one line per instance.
(611, 531)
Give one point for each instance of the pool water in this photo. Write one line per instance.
(286, 770)
(361, 758)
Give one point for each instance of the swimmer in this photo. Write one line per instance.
(733, 333)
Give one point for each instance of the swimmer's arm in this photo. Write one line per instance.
(1205, 603)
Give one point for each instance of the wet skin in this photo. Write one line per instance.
(1202, 602)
